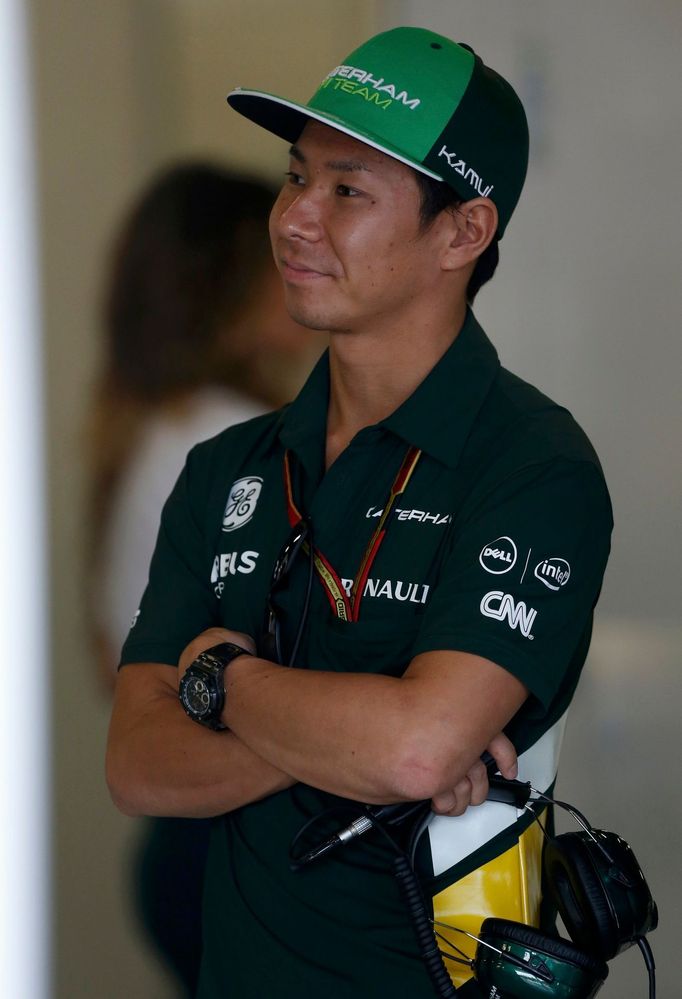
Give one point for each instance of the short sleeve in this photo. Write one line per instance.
(178, 602)
(522, 574)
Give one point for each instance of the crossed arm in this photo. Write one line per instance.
(367, 737)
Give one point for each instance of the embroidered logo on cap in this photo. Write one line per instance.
(359, 81)
(469, 174)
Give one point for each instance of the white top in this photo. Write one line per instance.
(144, 488)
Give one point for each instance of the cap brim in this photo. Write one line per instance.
(287, 120)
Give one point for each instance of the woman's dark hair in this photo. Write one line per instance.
(187, 259)
(436, 197)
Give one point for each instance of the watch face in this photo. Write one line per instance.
(196, 696)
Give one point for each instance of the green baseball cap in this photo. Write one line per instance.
(424, 100)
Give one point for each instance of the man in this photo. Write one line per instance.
(445, 531)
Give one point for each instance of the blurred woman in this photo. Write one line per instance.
(196, 339)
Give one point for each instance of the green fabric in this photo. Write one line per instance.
(423, 99)
(500, 460)
(490, 161)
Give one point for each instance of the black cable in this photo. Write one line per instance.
(306, 604)
(369, 816)
(421, 924)
(462, 959)
(648, 956)
(297, 862)
(418, 829)
(541, 796)
(617, 874)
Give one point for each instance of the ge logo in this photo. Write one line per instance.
(241, 502)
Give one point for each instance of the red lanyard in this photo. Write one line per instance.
(345, 606)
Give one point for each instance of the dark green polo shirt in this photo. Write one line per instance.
(497, 547)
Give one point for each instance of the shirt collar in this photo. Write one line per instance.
(303, 423)
(437, 417)
(439, 414)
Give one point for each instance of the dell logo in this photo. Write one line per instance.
(499, 556)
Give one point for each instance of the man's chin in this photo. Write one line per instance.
(309, 318)
(316, 312)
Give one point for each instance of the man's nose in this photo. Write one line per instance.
(302, 216)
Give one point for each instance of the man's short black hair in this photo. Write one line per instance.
(436, 197)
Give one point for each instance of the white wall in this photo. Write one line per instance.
(24, 706)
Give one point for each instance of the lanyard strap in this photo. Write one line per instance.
(347, 606)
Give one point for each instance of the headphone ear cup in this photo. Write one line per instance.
(533, 964)
(599, 890)
(579, 894)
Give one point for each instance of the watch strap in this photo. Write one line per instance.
(225, 652)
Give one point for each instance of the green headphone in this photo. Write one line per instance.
(598, 887)
(529, 963)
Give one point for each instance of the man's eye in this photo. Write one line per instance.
(294, 178)
(347, 192)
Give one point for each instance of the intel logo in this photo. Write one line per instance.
(553, 572)
(499, 556)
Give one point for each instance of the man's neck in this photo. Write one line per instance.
(372, 375)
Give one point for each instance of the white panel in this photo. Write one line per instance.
(452, 838)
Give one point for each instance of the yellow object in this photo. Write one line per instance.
(508, 887)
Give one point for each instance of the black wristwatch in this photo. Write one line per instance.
(202, 688)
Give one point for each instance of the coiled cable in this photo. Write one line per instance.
(413, 897)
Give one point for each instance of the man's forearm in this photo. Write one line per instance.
(371, 737)
(322, 725)
(159, 762)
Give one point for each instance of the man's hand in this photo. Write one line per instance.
(473, 789)
(206, 640)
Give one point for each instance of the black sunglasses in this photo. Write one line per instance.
(300, 538)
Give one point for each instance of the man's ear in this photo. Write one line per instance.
(473, 228)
